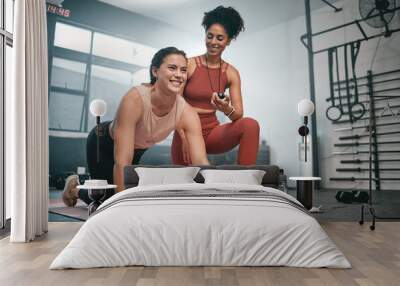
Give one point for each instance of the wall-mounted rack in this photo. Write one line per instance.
(307, 40)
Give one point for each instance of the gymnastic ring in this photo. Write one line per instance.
(357, 114)
(333, 118)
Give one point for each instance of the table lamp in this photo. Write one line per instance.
(305, 108)
(98, 108)
(97, 191)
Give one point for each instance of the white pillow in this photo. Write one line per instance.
(249, 177)
(162, 176)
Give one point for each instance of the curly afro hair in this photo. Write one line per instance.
(228, 17)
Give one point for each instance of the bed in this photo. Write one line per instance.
(201, 224)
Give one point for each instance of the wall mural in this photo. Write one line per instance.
(88, 62)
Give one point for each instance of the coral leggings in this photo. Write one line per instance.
(218, 139)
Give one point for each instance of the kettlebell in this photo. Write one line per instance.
(361, 197)
(344, 197)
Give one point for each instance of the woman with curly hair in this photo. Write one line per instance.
(208, 78)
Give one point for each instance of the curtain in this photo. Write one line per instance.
(27, 123)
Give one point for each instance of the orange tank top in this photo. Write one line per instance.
(202, 84)
(152, 128)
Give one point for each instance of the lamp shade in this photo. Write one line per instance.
(98, 107)
(305, 107)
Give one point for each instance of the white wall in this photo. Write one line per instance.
(264, 60)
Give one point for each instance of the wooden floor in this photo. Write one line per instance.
(374, 255)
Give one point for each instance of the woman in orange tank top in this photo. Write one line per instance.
(208, 78)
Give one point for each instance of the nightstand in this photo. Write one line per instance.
(305, 190)
(97, 191)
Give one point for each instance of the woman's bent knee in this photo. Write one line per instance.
(250, 124)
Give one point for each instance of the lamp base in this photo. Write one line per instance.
(93, 207)
(98, 196)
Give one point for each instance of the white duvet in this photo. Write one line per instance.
(183, 231)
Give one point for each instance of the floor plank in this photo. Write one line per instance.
(375, 257)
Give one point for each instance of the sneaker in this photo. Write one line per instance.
(69, 195)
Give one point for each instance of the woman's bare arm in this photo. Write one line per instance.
(190, 124)
(185, 148)
(129, 113)
(233, 105)
(235, 92)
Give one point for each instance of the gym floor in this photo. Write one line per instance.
(386, 205)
